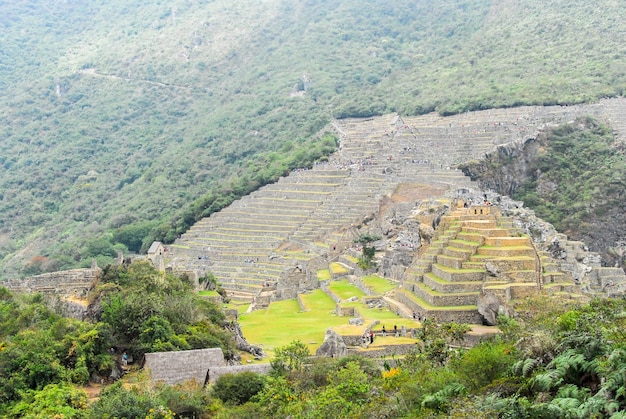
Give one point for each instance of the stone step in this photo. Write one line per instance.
(457, 252)
(509, 251)
(450, 262)
(504, 264)
(530, 276)
(485, 232)
(458, 275)
(486, 224)
(448, 299)
(465, 245)
(512, 290)
(507, 241)
(463, 314)
(443, 286)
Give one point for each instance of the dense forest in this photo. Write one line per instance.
(124, 122)
(550, 361)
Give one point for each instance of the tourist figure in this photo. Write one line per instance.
(395, 330)
(384, 331)
(124, 359)
(414, 315)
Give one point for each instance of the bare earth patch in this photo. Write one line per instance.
(409, 192)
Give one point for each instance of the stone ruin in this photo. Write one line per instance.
(305, 218)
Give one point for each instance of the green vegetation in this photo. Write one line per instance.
(338, 269)
(152, 312)
(288, 320)
(344, 289)
(44, 356)
(549, 361)
(323, 275)
(238, 388)
(125, 103)
(538, 367)
(377, 284)
(366, 261)
(574, 177)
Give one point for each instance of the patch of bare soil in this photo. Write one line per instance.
(93, 391)
(408, 192)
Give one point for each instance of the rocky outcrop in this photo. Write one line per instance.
(489, 306)
(241, 342)
(599, 222)
(333, 346)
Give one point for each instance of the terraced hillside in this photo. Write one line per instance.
(475, 252)
(265, 241)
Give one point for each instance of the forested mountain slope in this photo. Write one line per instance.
(116, 117)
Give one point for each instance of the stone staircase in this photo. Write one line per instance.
(475, 250)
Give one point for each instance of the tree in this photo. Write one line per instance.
(290, 357)
(368, 252)
(238, 388)
(116, 401)
(53, 401)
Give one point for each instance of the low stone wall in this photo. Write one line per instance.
(358, 282)
(605, 279)
(346, 311)
(75, 282)
(386, 351)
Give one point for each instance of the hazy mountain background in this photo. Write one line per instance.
(124, 121)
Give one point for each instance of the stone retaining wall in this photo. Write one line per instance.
(75, 282)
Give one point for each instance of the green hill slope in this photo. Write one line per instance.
(116, 117)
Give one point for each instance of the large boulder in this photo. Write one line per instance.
(489, 306)
(333, 346)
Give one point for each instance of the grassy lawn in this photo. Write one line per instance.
(338, 269)
(344, 289)
(379, 285)
(383, 315)
(323, 275)
(351, 258)
(284, 322)
(206, 293)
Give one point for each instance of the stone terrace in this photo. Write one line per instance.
(257, 241)
(447, 279)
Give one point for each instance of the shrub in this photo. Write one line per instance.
(238, 388)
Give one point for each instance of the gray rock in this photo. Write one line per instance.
(489, 307)
(356, 321)
(333, 346)
(492, 269)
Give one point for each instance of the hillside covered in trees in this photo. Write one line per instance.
(124, 122)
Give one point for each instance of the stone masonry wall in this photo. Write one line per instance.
(75, 282)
